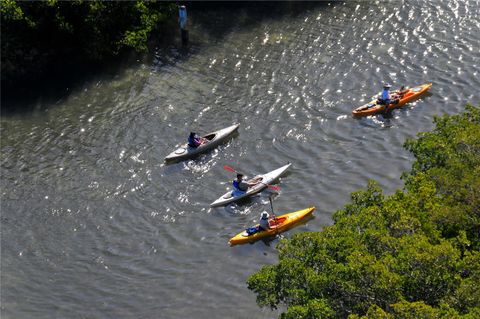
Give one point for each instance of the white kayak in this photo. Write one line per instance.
(214, 139)
(266, 179)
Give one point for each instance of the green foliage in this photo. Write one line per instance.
(449, 160)
(374, 312)
(36, 33)
(313, 309)
(372, 197)
(11, 11)
(413, 254)
(429, 271)
(467, 295)
(420, 310)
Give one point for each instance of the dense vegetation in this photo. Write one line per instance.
(414, 254)
(38, 35)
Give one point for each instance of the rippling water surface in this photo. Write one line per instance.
(94, 225)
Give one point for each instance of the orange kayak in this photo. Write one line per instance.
(403, 98)
(277, 226)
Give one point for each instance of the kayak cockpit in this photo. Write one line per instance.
(210, 136)
(273, 224)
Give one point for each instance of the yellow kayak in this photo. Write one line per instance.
(277, 226)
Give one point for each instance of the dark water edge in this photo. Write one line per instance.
(65, 75)
(27, 94)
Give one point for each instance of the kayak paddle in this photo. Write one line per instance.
(273, 213)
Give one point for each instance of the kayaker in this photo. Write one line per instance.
(264, 222)
(385, 96)
(194, 140)
(240, 186)
(400, 93)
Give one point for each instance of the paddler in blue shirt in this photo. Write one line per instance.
(385, 97)
(240, 186)
(194, 140)
(182, 17)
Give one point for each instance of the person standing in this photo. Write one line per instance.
(182, 17)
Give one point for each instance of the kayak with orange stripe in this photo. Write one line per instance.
(277, 226)
(406, 96)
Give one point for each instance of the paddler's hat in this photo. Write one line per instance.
(387, 86)
(239, 175)
(265, 215)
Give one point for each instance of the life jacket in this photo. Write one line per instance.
(236, 186)
(252, 230)
(264, 224)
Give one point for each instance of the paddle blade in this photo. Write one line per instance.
(273, 187)
(228, 168)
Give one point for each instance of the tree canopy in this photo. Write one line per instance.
(35, 33)
(413, 254)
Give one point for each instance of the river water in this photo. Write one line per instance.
(94, 225)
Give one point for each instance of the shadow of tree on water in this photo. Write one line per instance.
(217, 19)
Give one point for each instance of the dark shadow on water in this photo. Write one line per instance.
(70, 75)
(216, 18)
(247, 201)
(387, 115)
(57, 85)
